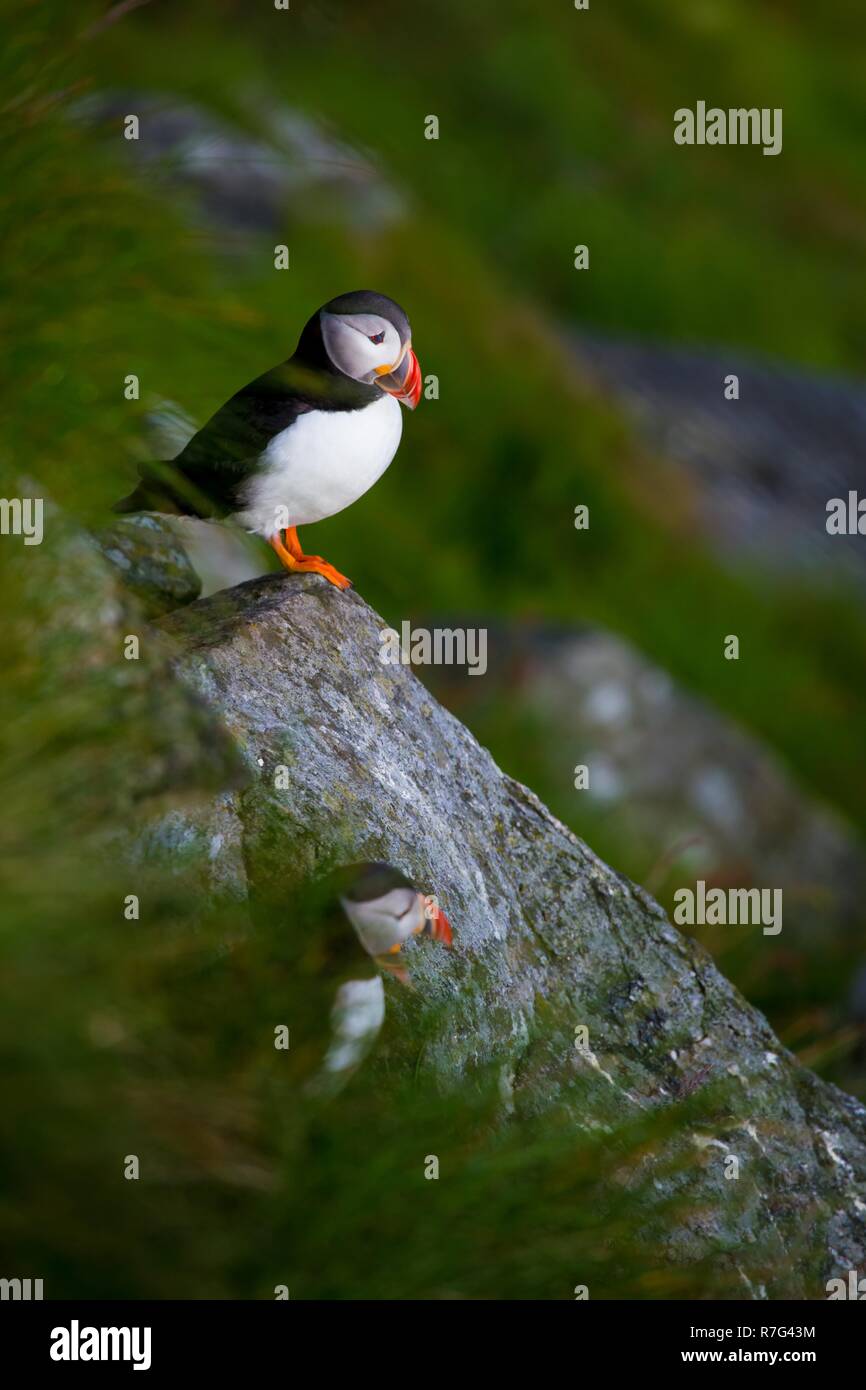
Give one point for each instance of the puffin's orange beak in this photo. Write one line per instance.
(403, 381)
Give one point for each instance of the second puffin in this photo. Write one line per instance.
(304, 440)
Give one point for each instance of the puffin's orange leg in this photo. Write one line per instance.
(393, 967)
(295, 560)
(292, 542)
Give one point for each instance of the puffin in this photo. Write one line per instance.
(304, 440)
(385, 910)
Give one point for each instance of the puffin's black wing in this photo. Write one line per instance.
(207, 476)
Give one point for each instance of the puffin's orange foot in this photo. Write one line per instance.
(297, 562)
(314, 564)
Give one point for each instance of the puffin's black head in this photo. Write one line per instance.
(365, 882)
(386, 908)
(366, 337)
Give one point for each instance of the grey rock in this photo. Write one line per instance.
(240, 186)
(759, 470)
(548, 938)
(151, 561)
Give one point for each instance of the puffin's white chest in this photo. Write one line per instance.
(356, 1017)
(387, 921)
(322, 463)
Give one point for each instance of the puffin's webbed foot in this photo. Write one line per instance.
(297, 562)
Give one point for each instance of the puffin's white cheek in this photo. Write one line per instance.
(348, 350)
(389, 349)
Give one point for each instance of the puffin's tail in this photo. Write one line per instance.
(160, 490)
(147, 498)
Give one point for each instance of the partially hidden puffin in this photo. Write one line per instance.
(386, 910)
(304, 440)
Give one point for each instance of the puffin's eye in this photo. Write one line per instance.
(377, 337)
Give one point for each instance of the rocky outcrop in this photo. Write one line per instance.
(566, 977)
